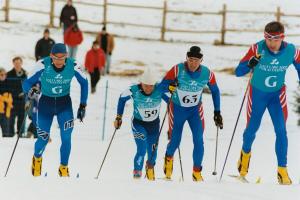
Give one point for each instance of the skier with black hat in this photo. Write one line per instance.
(186, 81)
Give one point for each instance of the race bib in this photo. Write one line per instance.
(189, 99)
(149, 114)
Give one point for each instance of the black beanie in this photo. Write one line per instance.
(195, 52)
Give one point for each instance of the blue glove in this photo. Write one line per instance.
(81, 112)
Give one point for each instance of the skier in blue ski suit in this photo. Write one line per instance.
(188, 80)
(146, 96)
(268, 61)
(55, 74)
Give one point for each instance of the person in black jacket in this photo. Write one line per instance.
(15, 77)
(44, 46)
(68, 15)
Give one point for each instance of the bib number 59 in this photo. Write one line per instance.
(149, 113)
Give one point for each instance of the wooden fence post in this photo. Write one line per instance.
(223, 28)
(52, 6)
(6, 9)
(164, 20)
(104, 13)
(278, 14)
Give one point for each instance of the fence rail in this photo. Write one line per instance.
(163, 27)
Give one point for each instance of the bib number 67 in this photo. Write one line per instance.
(190, 99)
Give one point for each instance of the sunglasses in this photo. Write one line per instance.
(273, 36)
(58, 58)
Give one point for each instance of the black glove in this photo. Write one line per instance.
(34, 93)
(118, 121)
(173, 86)
(81, 112)
(218, 119)
(254, 60)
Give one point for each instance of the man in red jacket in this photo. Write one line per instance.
(94, 64)
(72, 38)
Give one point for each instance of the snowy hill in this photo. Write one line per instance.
(115, 181)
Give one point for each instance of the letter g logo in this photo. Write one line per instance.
(57, 90)
(270, 81)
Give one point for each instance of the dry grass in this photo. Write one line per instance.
(136, 63)
(127, 73)
(227, 70)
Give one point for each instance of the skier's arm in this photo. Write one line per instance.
(215, 92)
(165, 97)
(243, 68)
(297, 62)
(124, 97)
(169, 78)
(81, 78)
(34, 78)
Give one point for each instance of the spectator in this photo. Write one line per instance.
(68, 15)
(15, 78)
(44, 46)
(72, 38)
(106, 42)
(94, 64)
(5, 104)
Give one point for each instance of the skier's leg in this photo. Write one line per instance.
(140, 138)
(196, 123)
(66, 122)
(44, 119)
(256, 106)
(152, 134)
(176, 122)
(278, 113)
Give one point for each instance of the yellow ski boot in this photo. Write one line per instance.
(197, 174)
(63, 171)
(243, 163)
(150, 172)
(283, 177)
(36, 167)
(168, 167)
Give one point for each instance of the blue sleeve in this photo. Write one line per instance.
(34, 78)
(82, 80)
(242, 69)
(165, 97)
(297, 66)
(215, 92)
(163, 86)
(124, 97)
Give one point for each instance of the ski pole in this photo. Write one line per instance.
(181, 168)
(112, 137)
(236, 123)
(18, 137)
(216, 152)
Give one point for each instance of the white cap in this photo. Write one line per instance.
(149, 77)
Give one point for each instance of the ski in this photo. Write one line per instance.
(164, 178)
(239, 178)
(77, 175)
(243, 179)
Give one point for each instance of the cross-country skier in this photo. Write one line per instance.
(189, 79)
(268, 59)
(146, 97)
(55, 74)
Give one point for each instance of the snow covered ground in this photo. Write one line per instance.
(115, 180)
